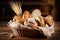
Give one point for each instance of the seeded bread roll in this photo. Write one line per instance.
(49, 20)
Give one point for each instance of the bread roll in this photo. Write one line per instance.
(26, 15)
(18, 19)
(49, 20)
(36, 13)
(41, 22)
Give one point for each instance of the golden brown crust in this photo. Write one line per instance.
(18, 19)
(42, 22)
(26, 15)
(49, 20)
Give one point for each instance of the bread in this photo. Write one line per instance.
(49, 20)
(36, 13)
(26, 15)
(41, 22)
(18, 19)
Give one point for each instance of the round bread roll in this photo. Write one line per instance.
(26, 15)
(41, 22)
(18, 19)
(36, 13)
(49, 20)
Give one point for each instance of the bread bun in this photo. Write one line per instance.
(18, 19)
(49, 20)
(41, 22)
(36, 13)
(26, 15)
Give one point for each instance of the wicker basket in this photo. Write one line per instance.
(32, 32)
(25, 32)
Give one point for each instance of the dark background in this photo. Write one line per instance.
(57, 3)
(6, 13)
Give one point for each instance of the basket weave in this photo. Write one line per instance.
(25, 32)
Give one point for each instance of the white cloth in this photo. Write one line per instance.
(48, 30)
(26, 23)
(14, 26)
(31, 20)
